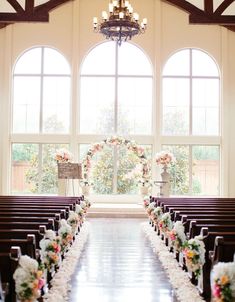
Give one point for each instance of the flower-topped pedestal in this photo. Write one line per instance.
(165, 188)
(165, 159)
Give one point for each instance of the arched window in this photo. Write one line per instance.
(115, 98)
(191, 111)
(41, 106)
(41, 93)
(116, 91)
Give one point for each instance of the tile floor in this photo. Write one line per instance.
(118, 265)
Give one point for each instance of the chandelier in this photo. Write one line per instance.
(121, 24)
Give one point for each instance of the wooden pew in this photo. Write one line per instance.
(22, 234)
(223, 251)
(8, 264)
(27, 246)
(195, 228)
(204, 286)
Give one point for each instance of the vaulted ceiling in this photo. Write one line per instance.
(221, 12)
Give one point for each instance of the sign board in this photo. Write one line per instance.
(69, 171)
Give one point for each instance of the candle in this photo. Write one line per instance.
(121, 15)
(95, 20)
(145, 21)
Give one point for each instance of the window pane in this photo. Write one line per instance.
(203, 64)
(24, 167)
(205, 106)
(178, 64)
(34, 168)
(97, 105)
(56, 104)
(128, 56)
(179, 171)
(29, 62)
(49, 172)
(54, 62)
(101, 60)
(206, 170)
(134, 106)
(26, 104)
(175, 98)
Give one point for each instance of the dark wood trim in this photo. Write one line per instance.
(204, 19)
(46, 7)
(13, 17)
(15, 4)
(190, 8)
(223, 7)
(208, 6)
(29, 6)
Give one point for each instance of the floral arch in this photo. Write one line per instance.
(118, 141)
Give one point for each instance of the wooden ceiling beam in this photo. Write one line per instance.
(208, 15)
(30, 13)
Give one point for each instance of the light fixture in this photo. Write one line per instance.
(121, 24)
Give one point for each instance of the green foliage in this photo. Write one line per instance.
(23, 152)
(179, 170)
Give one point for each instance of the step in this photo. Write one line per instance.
(116, 210)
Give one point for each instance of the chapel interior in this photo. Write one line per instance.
(117, 150)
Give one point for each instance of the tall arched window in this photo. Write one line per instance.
(115, 98)
(191, 112)
(41, 107)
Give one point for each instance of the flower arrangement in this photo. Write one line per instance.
(117, 141)
(150, 208)
(164, 158)
(80, 212)
(66, 234)
(28, 279)
(156, 215)
(194, 253)
(223, 282)
(50, 249)
(177, 236)
(165, 223)
(63, 156)
(73, 220)
(146, 202)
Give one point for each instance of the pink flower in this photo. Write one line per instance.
(216, 291)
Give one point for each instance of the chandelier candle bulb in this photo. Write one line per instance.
(121, 15)
(126, 3)
(115, 3)
(136, 16)
(95, 20)
(110, 7)
(104, 15)
(145, 21)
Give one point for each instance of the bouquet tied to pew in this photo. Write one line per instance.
(50, 249)
(28, 279)
(223, 282)
(156, 215)
(194, 253)
(73, 220)
(165, 223)
(177, 236)
(66, 235)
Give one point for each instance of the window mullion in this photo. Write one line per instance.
(41, 93)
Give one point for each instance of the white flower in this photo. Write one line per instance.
(179, 228)
(50, 234)
(28, 263)
(78, 209)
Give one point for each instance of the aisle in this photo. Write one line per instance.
(118, 265)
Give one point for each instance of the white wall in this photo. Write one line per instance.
(70, 31)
